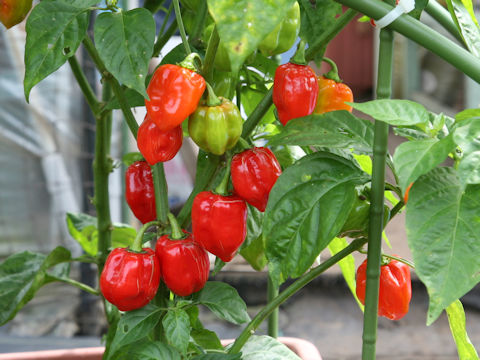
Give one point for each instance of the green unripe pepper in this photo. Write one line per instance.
(216, 125)
(284, 35)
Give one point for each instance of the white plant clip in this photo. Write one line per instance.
(403, 7)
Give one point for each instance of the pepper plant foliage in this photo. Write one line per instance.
(326, 161)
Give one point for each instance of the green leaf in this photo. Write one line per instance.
(467, 135)
(365, 163)
(219, 264)
(134, 326)
(147, 350)
(134, 99)
(443, 230)
(206, 339)
(410, 133)
(22, 274)
(243, 24)
(415, 158)
(456, 320)
(224, 301)
(176, 324)
(218, 357)
(83, 228)
(55, 30)
(266, 348)
(335, 129)
(469, 169)
(317, 18)
(467, 114)
(254, 253)
(419, 7)
(347, 265)
(124, 41)
(394, 112)
(250, 98)
(307, 207)
(463, 14)
(254, 225)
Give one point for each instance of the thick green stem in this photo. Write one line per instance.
(325, 38)
(211, 51)
(178, 16)
(380, 142)
(82, 81)
(272, 293)
(177, 232)
(423, 35)
(291, 290)
(162, 40)
(161, 192)
(443, 17)
(102, 167)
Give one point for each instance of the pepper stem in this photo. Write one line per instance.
(177, 232)
(244, 143)
(299, 57)
(137, 243)
(399, 259)
(212, 99)
(190, 62)
(333, 73)
(223, 186)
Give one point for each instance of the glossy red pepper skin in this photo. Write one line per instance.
(184, 264)
(219, 223)
(129, 280)
(139, 191)
(395, 289)
(332, 96)
(174, 94)
(157, 145)
(295, 90)
(254, 172)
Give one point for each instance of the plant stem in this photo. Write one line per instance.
(138, 242)
(442, 16)
(162, 40)
(272, 293)
(177, 232)
(78, 285)
(101, 169)
(161, 192)
(291, 290)
(423, 35)
(211, 51)
(406, 262)
(178, 16)
(375, 228)
(82, 81)
(257, 114)
(325, 38)
(165, 20)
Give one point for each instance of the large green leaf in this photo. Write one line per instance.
(467, 135)
(469, 169)
(55, 30)
(347, 265)
(83, 228)
(254, 253)
(456, 319)
(124, 41)
(266, 348)
(394, 112)
(22, 274)
(463, 14)
(306, 209)
(468, 114)
(224, 301)
(147, 350)
(415, 158)
(176, 324)
(243, 24)
(336, 129)
(443, 230)
(134, 326)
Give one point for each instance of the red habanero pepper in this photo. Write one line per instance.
(295, 88)
(219, 223)
(184, 264)
(139, 192)
(254, 172)
(129, 279)
(174, 93)
(332, 93)
(156, 145)
(395, 289)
